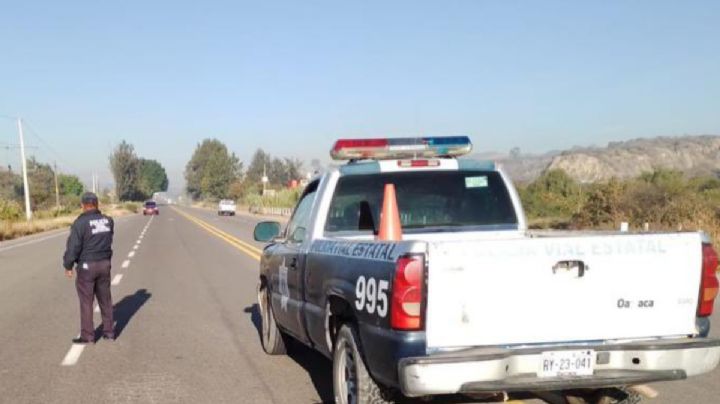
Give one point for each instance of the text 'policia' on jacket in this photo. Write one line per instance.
(90, 239)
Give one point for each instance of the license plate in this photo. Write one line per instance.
(567, 363)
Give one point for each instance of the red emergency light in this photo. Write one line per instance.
(401, 148)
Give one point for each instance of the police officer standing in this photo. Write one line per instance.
(89, 250)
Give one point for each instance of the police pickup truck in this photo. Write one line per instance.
(469, 301)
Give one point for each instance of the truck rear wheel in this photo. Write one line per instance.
(352, 382)
(620, 396)
(273, 340)
(607, 396)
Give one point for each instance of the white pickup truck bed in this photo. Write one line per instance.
(631, 287)
(504, 313)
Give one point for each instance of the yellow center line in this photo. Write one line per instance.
(248, 249)
(230, 236)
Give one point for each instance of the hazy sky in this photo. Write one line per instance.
(291, 77)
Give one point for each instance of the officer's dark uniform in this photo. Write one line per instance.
(89, 248)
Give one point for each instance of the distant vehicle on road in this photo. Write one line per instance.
(226, 207)
(468, 300)
(151, 208)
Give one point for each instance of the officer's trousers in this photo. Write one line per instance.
(93, 279)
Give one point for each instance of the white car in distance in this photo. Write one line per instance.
(226, 207)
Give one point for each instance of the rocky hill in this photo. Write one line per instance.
(693, 155)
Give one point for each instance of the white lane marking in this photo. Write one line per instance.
(73, 355)
(132, 254)
(116, 280)
(97, 308)
(126, 263)
(139, 242)
(33, 241)
(136, 247)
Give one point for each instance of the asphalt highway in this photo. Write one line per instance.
(187, 323)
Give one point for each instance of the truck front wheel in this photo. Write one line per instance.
(352, 382)
(273, 341)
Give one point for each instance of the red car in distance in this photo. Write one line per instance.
(150, 208)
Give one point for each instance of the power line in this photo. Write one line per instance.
(47, 145)
(14, 146)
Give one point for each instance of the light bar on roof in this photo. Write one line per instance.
(401, 148)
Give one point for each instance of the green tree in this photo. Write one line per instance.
(211, 170)
(277, 172)
(70, 190)
(152, 178)
(70, 185)
(41, 178)
(258, 164)
(280, 171)
(293, 169)
(125, 167)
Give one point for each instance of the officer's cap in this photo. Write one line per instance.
(89, 198)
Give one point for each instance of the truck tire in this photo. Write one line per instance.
(352, 383)
(273, 340)
(607, 396)
(621, 396)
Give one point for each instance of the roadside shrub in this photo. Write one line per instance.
(665, 200)
(72, 202)
(133, 207)
(285, 198)
(253, 201)
(603, 205)
(10, 210)
(553, 195)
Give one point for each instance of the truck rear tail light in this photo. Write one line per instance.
(709, 284)
(407, 293)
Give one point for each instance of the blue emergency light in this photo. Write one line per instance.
(401, 148)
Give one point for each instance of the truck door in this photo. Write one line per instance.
(288, 296)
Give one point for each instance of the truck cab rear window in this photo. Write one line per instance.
(438, 201)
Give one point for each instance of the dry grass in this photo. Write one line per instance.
(13, 229)
(10, 230)
(122, 209)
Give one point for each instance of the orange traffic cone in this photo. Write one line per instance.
(390, 226)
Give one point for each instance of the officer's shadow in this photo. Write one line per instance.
(124, 310)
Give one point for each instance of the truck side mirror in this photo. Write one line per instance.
(266, 231)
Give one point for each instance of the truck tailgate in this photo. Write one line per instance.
(534, 290)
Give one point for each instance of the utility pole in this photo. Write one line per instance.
(264, 179)
(94, 183)
(57, 188)
(26, 187)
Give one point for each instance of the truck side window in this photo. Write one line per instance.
(298, 225)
